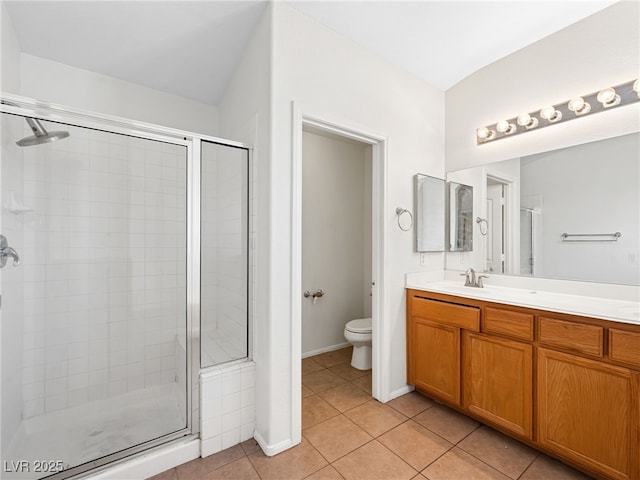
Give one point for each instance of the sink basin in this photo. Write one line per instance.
(453, 288)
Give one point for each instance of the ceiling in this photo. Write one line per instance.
(191, 48)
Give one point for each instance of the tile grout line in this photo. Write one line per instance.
(453, 445)
(538, 454)
(406, 418)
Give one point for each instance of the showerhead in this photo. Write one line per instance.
(40, 135)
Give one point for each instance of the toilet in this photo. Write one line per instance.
(358, 333)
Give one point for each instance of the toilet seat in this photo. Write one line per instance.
(359, 325)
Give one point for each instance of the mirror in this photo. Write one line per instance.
(460, 215)
(429, 208)
(571, 214)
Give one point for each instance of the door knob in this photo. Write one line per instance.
(315, 295)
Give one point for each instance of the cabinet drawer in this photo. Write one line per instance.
(587, 339)
(447, 313)
(624, 347)
(505, 322)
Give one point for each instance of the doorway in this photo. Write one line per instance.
(497, 242)
(336, 238)
(380, 331)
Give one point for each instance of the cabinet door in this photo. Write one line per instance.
(498, 381)
(434, 359)
(588, 412)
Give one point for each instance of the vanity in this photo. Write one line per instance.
(558, 372)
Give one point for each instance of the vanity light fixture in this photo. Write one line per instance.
(527, 121)
(579, 106)
(485, 134)
(608, 97)
(550, 114)
(605, 99)
(505, 127)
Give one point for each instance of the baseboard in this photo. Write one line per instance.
(325, 349)
(401, 391)
(271, 450)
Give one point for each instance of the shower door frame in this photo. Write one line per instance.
(27, 107)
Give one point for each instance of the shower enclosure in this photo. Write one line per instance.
(106, 279)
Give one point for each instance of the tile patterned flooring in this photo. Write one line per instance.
(348, 435)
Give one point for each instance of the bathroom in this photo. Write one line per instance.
(409, 129)
(336, 242)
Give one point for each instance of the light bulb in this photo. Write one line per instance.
(579, 106)
(485, 134)
(505, 127)
(608, 97)
(550, 113)
(636, 87)
(527, 121)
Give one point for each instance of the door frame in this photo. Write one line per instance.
(511, 208)
(381, 334)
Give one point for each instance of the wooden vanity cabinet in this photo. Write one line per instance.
(434, 367)
(498, 381)
(569, 386)
(588, 412)
(433, 349)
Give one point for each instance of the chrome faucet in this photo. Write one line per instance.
(471, 280)
(470, 277)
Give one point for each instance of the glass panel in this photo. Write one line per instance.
(430, 213)
(460, 217)
(526, 242)
(94, 317)
(224, 260)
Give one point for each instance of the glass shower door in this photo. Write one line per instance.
(224, 232)
(93, 317)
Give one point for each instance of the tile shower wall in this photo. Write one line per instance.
(227, 407)
(104, 267)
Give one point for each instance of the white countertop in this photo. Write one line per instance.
(598, 307)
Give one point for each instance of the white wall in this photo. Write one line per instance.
(581, 192)
(245, 115)
(600, 51)
(335, 238)
(9, 54)
(331, 76)
(56, 82)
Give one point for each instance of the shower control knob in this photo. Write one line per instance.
(6, 251)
